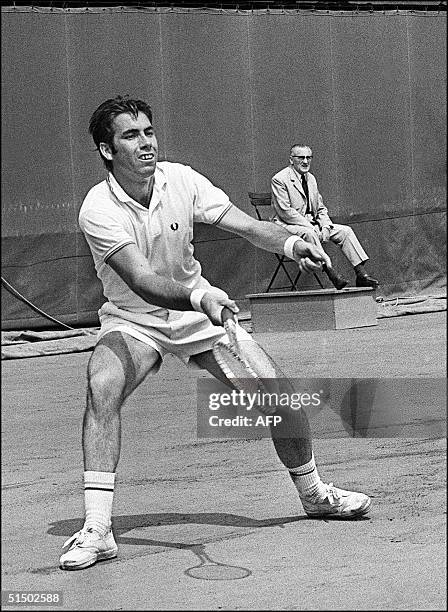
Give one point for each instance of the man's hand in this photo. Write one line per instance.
(310, 257)
(325, 234)
(212, 305)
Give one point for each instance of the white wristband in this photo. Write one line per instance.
(195, 298)
(288, 247)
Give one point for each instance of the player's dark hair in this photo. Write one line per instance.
(100, 124)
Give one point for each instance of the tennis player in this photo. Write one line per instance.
(139, 226)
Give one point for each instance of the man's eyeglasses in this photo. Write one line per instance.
(302, 157)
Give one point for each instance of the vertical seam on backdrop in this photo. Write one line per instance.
(333, 100)
(72, 164)
(162, 89)
(251, 98)
(252, 120)
(411, 129)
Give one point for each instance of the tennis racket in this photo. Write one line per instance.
(245, 364)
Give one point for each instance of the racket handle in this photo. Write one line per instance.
(227, 314)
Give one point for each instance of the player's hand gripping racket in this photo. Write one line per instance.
(245, 364)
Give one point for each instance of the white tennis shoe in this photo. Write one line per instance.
(336, 503)
(86, 547)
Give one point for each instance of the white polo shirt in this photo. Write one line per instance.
(110, 219)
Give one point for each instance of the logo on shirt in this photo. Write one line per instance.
(174, 226)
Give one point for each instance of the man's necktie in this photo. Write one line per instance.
(305, 189)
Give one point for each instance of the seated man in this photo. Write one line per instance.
(300, 209)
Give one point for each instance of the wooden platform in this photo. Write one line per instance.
(312, 310)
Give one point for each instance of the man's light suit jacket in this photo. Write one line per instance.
(289, 201)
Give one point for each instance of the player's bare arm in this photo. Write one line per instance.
(272, 237)
(133, 268)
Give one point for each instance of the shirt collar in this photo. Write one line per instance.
(297, 174)
(120, 193)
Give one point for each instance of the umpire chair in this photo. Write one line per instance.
(262, 204)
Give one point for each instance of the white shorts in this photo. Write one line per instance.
(183, 334)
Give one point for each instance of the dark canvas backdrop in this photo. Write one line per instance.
(230, 91)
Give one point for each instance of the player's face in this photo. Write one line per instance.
(301, 159)
(135, 146)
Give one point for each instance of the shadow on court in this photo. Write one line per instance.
(226, 510)
(208, 568)
(125, 523)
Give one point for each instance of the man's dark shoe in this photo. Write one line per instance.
(364, 280)
(338, 281)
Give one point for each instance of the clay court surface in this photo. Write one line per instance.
(184, 502)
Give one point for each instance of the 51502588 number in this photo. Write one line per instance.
(37, 598)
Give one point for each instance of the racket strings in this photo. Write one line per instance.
(250, 369)
(235, 368)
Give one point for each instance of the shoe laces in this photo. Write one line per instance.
(78, 537)
(332, 493)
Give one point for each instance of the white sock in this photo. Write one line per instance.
(307, 480)
(98, 497)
